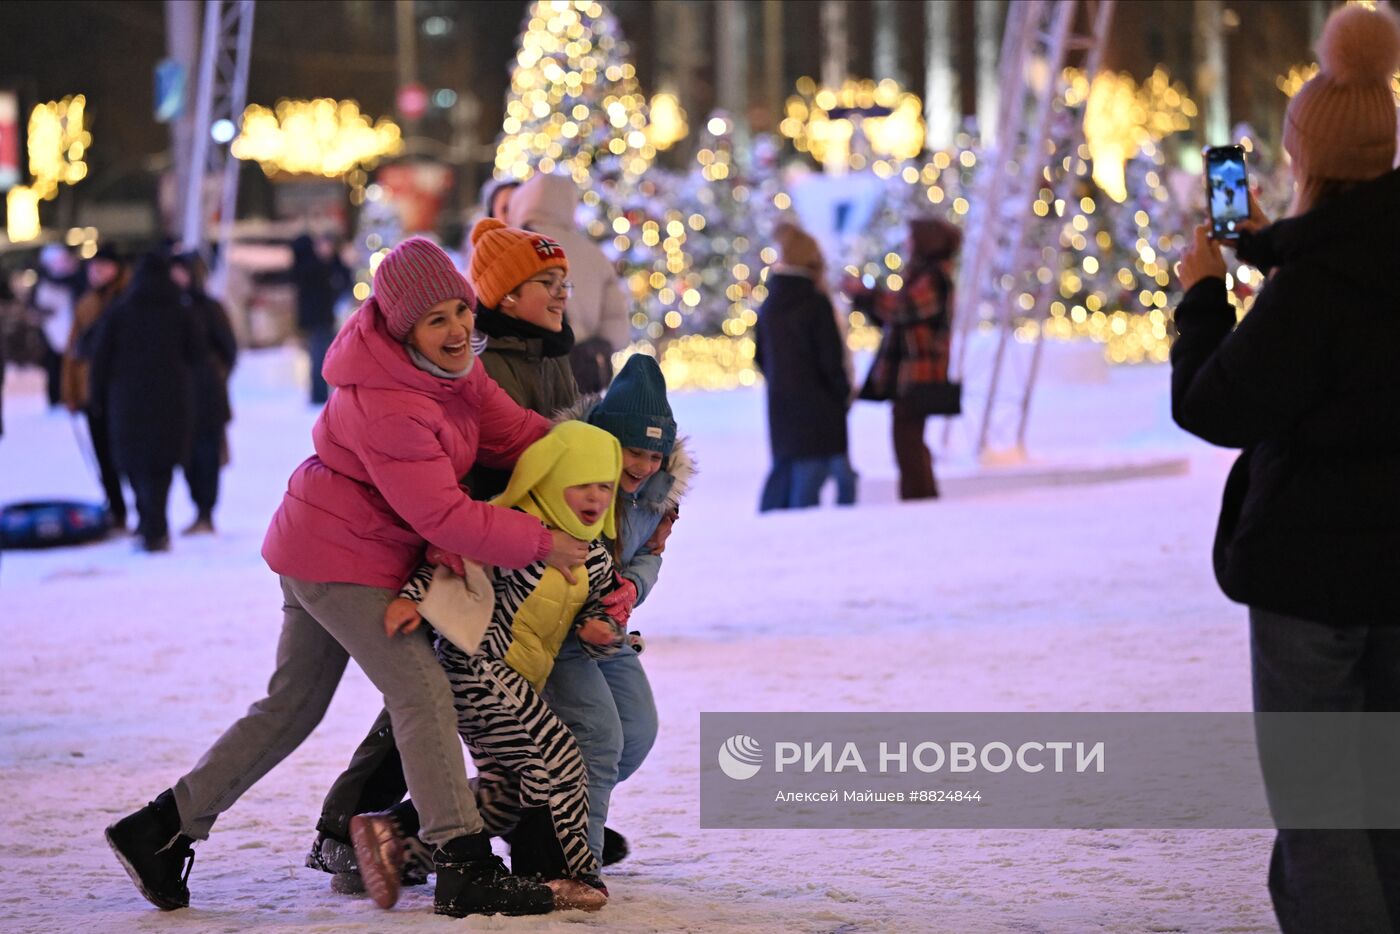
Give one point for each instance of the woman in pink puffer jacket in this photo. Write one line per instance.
(410, 415)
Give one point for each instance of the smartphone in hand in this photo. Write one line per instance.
(1227, 191)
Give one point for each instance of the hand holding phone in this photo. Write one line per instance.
(1200, 260)
(1227, 191)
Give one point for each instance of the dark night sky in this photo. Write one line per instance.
(301, 48)
(304, 48)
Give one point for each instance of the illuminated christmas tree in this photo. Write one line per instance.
(715, 236)
(1116, 227)
(574, 103)
(937, 186)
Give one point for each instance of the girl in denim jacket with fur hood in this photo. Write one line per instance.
(606, 700)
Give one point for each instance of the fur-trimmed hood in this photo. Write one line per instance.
(663, 492)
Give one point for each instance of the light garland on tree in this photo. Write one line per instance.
(1108, 280)
(911, 188)
(667, 125)
(574, 101)
(693, 248)
(1121, 117)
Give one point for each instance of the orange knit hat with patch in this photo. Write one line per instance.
(503, 257)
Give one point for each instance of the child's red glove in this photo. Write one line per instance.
(618, 604)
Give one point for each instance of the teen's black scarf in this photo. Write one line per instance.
(495, 323)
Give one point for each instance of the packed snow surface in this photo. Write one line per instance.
(120, 669)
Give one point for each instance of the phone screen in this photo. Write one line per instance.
(1227, 190)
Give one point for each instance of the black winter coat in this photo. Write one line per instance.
(209, 374)
(1307, 385)
(319, 284)
(142, 354)
(798, 348)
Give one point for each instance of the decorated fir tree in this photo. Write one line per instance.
(1108, 213)
(690, 245)
(938, 185)
(717, 229)
(574, 103)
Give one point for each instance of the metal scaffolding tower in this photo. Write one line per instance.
(222, 92)
(1040, 37)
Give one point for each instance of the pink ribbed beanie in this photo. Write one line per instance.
(1341, 124)
(412, 278)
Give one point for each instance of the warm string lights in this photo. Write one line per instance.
(1122, 117)
(58, 145)
(574, 104)
(1298, 75)
(707, 275)
(694, 246)
(57, 148)
(667, 125)
(314, 137)
(823, 121)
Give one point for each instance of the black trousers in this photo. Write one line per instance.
(152, 489)
(107, 468)
(372, 782)
(202, 469)
(53, 369)
(318, 341)
(1329, 880)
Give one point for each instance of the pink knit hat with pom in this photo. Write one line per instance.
(1341, 124)
(413, 277)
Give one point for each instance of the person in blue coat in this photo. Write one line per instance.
(606, 700)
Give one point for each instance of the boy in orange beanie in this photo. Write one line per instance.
(522, 290)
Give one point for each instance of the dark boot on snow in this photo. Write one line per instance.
(471, 880)
(154, 853)
(615, 848)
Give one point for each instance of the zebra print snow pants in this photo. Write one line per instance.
(525, 756)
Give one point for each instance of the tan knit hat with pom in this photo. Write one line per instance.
(798, 248)
(503, 257)
(1341, 124)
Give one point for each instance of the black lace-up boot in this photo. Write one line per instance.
(154, 853)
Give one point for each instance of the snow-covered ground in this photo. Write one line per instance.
(120, 669)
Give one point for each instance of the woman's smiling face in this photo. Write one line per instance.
(443, 335)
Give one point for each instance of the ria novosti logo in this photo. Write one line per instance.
(740, 757)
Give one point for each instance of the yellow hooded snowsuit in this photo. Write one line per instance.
(527, 632)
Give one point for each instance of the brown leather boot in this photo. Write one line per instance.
(379, 849)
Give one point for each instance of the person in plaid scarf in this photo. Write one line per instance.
(911, 365)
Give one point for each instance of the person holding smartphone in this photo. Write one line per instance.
(1306, 384)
